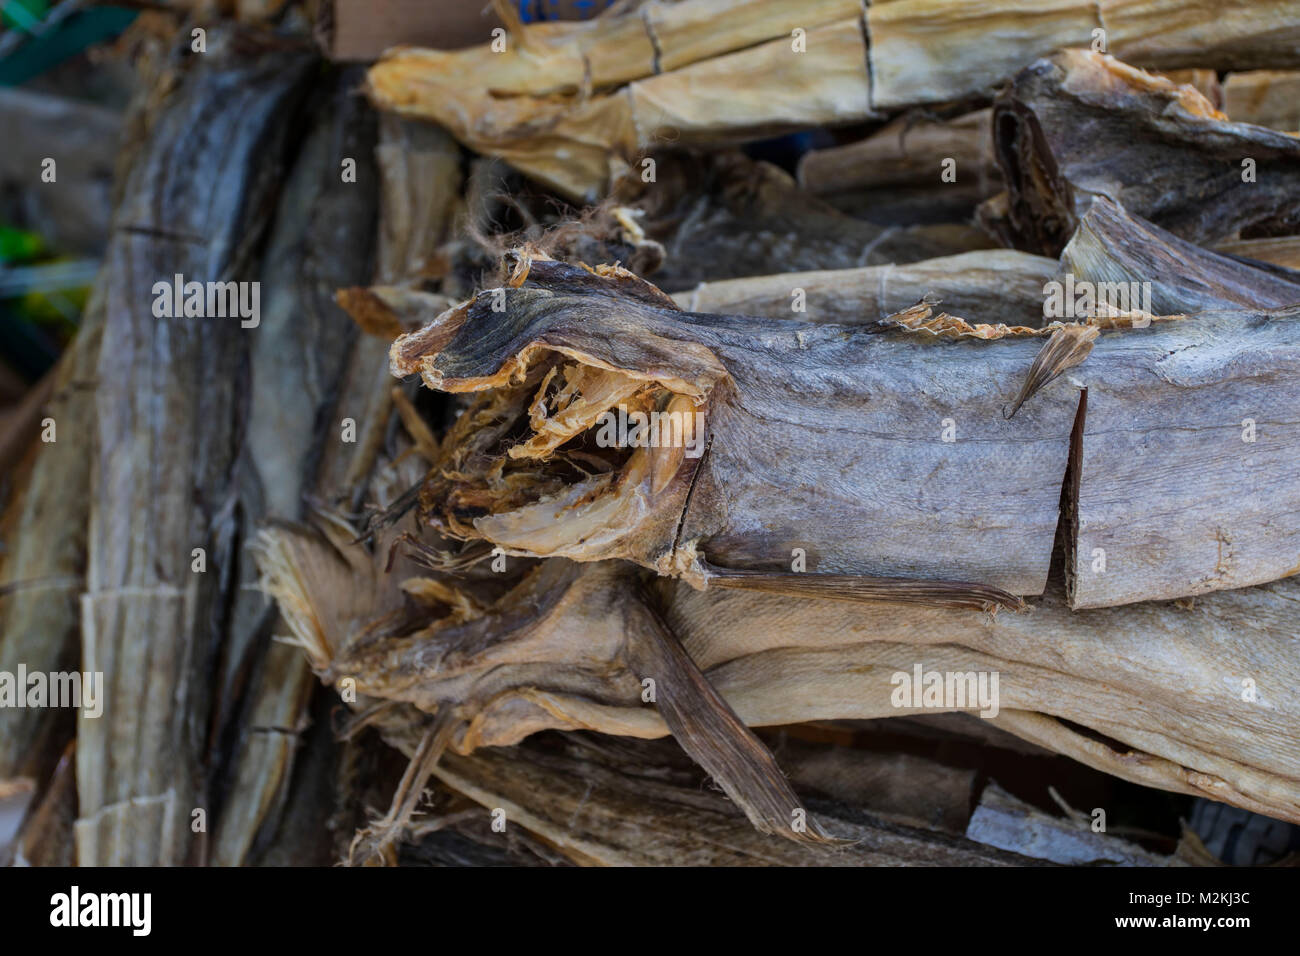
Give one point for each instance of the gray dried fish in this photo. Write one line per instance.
(994, 285)
(318, 240)
(798, 416)
(170, 404)
(1081, 125)
(1112, 246)
(812, 429)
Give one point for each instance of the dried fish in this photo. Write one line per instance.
(543, 110)
(598, 814)
(609, 540)
(905, 152)
(919, 168)
(1112, 249)
(751, 439)
(798, 416)
(45, 553)
(1186, 475)
(573, 104)
(1082, 125)
(996, 285)
(931, 51)
(722, 215)
(313, 247)
(163, 483)
(553, 653)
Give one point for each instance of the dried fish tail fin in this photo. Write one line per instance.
(711, 732)
(326, 586)
(278, 579)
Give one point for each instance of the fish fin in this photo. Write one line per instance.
(711, 732)
(1068, 347)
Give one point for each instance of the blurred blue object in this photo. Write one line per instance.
(539, 11)
(64, 33)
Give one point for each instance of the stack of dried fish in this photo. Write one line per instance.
(587, 455)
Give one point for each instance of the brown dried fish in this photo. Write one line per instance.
(638, 815)
(537, 100)
(930, 51)
(554, 652)
(574, 104)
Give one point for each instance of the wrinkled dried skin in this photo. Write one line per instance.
(553, 103)
(1215, 34)
(541, 59)
(1082, 125)
(536, 109)
(764, 90)
(1188, 478)
(1179, 419)
(1161, 667)
(926, 51)
(817, 428)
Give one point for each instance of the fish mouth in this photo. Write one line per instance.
(569, 447)
(531, 468)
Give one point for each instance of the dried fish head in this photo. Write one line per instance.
(543, 462)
